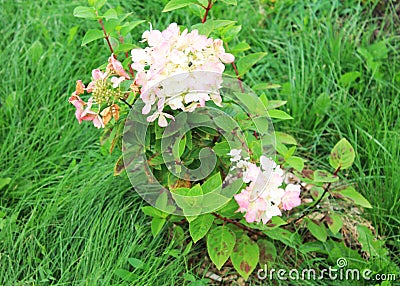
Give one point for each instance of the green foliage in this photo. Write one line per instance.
(342, 155)
(220, 244)
(245, 256)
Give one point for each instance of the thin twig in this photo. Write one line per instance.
(208, 8)
(238, 224)
(310, 209)
(124, 101)
(106, 35)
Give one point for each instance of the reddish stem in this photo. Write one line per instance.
(106, 35)
(208, 8)
(121, 40)
(238, 224)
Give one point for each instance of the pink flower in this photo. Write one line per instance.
(98, 74)
(117, 81)
(117, 67)
(251, 173)
(79, 104)
(162, 118)
(90, 115)
(291, 197)
(252, 207)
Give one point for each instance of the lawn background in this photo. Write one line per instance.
(64, 218)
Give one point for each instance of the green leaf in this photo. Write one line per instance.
(283, 235)
(369, 243)
(264, 85)
(230, 32)
(92, 35)
(123, 48)
(153, 212)
(126, 275)
(322, 176)
(318, 231)
(85, 12)
(334, 222)
(213, 184)
(285, 138)
(221, 148)
(110, 14)
(189, 200)
(130, 26)
(279, 114)
(230, 2)
(156, 225)
(241, 47)
(342, 155)
(211, 25)
(245, 256)
(199, 227)
(273, 104)
(97, 3)
(244, 64)
(296, 162)
(268, 252)
(4, 182)
(348, 78)
(220, 244)
(177, 4)
(352, 195)
(136, 263)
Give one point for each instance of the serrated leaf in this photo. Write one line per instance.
(85, 12)
(244, 64)
(351, 194)
(220, 244)
(318, 231)
(177, 4)
(199, 227)
(322, 176)
(245, 256)
(92, 35)
(279, 114)
(334, 222)
(342, 155)
(156, 225)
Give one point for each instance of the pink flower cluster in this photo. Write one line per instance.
(264, 197)
(102, 92)
(169, 70)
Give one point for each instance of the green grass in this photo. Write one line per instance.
(68, 221)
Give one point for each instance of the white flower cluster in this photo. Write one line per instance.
(179, 70)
